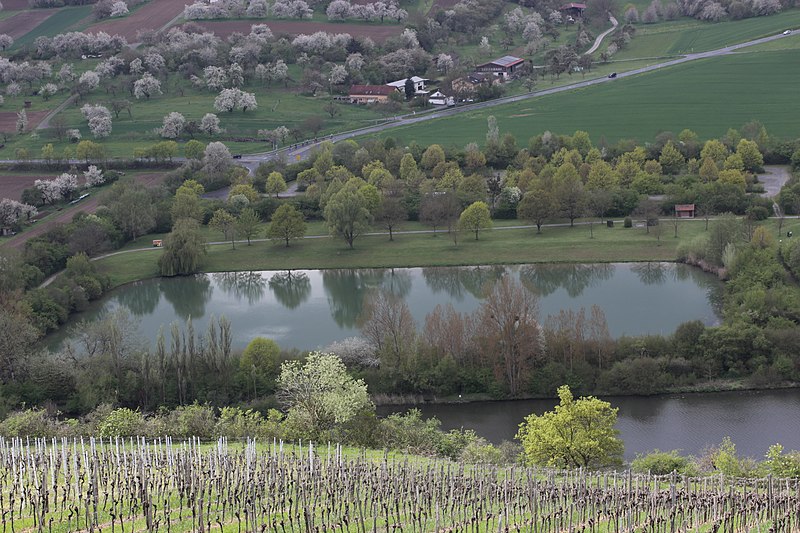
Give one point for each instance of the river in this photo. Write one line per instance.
(754, 420)
(310, 309)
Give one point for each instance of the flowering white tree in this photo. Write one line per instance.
(66, 184)
(94, 176)
(409, 38)
(136, 66)
(50, 190)
(146, 86)
(74, 135)
(291, 9)
(279, 71)
(99, 119)
(154, 62)
(230, 99)
(12, 211)
(339, 10)
(173, 125)
(22, 121)
(89, 81)
(215, 77)
(6, 41)
(338, 75)
(196, 11)
(13, 89)
(354, 63)
(216, 159)
(47, 90)
(257, 9)
(66, 74)
(210, 124)
(119, 9)
(355, 351)
(444, 62)
(236, 75)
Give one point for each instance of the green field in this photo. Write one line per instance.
(509, 246)
(708, 96)
(67, 19)
(687, 35)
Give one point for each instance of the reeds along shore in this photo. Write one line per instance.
(137, 485)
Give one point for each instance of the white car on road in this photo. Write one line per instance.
(787, 32)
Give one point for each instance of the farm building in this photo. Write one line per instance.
(503, 67)
(573, 9)
(684, 210)
(467, 86)
(370, 94)
(419, 85)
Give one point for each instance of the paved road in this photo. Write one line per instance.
(296, 153)
(602, 36)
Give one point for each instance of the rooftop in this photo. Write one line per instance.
(371, 90)
(507, 61)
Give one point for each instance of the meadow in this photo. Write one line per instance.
(96, 484)
(707, 96)
(499, 246)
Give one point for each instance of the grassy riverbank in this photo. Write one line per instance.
(507, 246)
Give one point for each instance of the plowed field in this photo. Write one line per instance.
(12, 186)
(152, 16)
(16, 5)
(377, 33)
(8, 120)
(22, 23)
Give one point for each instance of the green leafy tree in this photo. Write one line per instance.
(247, 224)
(187, 202)
(194, 149)
(475, 218)
(275, 184)
(569, 194)
(319, 394)
(287, 224)
(671, 159)
(537, 206)
(750, 154)
(259, 363)
(225, 223)
(184, 249)
(347, 214)
(578, 433)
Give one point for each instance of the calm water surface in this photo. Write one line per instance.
(310, 309)
(690, 422)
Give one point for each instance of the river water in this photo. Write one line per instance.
(310, 309)
(689, 422)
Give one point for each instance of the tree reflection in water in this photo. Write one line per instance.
(291, 289)
(346, 290)
(141, 297)
(651, 273)
(459, 281)
(188, 295)
(545, 279)
(249, 286)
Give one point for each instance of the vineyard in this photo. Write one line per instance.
(119, 485)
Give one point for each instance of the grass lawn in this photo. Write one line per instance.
(555, 244)
(708, 96)
(67, 19)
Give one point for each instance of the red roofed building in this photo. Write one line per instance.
(370, 94)
(504, 66)
(574, 9)
(684, 210)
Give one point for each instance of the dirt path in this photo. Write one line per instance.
(45, 123)
(65, 215)
(602, 36)
(774, 178)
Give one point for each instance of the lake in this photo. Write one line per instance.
(310, 309)
(754, 420)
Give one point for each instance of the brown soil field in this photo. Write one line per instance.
(65, 215)
(8, 120)
(12, 186)
(152, 16)
(17, 5)
(224, 28)
(22, 23)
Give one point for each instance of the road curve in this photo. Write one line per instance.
(602, 36)
(296, 153)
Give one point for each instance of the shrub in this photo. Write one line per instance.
(660, 463)
(121, 423)
(481, 452)
(29, 423)
(192, 421)
(628, 223)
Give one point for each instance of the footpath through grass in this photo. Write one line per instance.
(509, 246)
